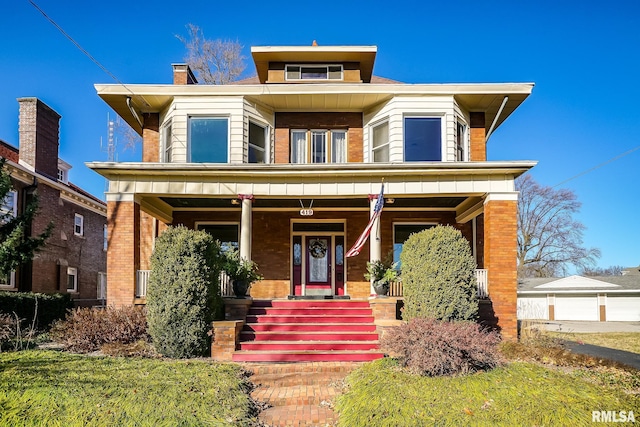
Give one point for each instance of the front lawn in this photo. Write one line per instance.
(51, 388)
(381, 394)
(626, 341)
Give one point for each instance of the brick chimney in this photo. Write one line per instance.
(182, 75)
(39, 136)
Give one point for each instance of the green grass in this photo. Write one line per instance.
(519, 394)
(626, 341)
(50, 388)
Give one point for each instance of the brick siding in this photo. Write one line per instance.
(123, 258)
(478, 137)
(151, 138)
(500, 234)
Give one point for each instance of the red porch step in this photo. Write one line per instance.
(308, 331)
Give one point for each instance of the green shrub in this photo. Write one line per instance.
(50, 307)
(87, 329)
(433, 347)
(438, 276)
(183, 296)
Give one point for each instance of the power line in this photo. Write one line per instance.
(83, 50)
(613, 159)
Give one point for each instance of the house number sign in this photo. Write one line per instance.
(306, 212)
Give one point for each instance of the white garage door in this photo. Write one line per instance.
(533, 308)
(576, 308)
(623, 308)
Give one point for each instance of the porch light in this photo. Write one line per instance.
(235, 201)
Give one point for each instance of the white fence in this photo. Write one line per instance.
(142, 280)
(395, 288)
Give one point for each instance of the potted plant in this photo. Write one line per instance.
(243, 272)
(382, 273)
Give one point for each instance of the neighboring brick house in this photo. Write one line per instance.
(73, 259)
(292, 160)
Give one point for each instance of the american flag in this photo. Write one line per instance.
(377, 211)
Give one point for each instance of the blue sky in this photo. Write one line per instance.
(584, 58)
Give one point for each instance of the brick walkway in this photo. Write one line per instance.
(299, 394)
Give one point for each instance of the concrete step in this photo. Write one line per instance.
(307, 336)
(343, 318)
(311, 303)
(309, 345)
(309, 327)
(309, 311)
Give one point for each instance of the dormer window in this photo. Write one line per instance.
(63, 171)
(313, 72)
(62, 175)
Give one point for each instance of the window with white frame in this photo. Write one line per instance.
(72, 279)
(62, 175)
(226, 233)
(401, 232)
(461, 142)
(313, 72)
(167, 143)
(208, 139)
(78, 225)
(105, 238)
(257, 143)
(422, 139)
(101, 293)
(380, 142)
(318, 146)
(9, 206)
(8, 281)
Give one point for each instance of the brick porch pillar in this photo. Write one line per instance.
(500, 249)
(123, 255)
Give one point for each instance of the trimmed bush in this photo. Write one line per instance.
(87, 329)
(183, 295)
(51, 307)
(438, 276)
(433, 347)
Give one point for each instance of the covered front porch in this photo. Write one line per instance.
(297, 222)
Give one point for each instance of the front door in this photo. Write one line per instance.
(318, 257)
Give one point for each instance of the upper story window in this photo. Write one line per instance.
(63, 171)
(313, 72)
(422, 139)
(9, 206)
(62, 175)
(461, 138)
(105, 238)
(318, 146)
(257, 143)
(208, 139)
(380, 142)
(8, 281)
(78, 225)
(167, 143)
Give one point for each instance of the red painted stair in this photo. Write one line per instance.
(308, 331)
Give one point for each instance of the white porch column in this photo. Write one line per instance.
(375, 245)
(245, 225)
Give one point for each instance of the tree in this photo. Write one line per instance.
(216, 62)
(614, 270)
(549, 238)
(16, 246)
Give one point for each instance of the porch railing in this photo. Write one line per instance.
(142, 280)
(226, 288)
(395, 289)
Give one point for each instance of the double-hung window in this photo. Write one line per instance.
(257, 143)
(208, 139)
(380, 142)
(78, 225)
(318, 146)
(461, 138)
(167, 143)
(401, 233)
(9, 206)
(72, 279)
(422, 139)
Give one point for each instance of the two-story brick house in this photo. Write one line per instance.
(73, 258)
(287, 166)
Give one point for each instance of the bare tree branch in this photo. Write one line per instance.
(549, 239)
(216, 62)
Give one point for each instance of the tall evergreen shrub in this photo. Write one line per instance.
(438, 276)
(183, 295)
